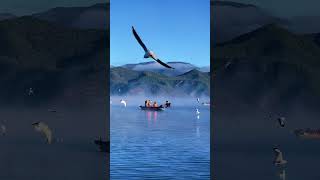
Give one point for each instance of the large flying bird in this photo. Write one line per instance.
(148, 53)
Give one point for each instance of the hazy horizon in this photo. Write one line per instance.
(155, 62)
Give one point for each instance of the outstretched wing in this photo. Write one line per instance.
(278, 155)
(44, 128)
(164, 64)
(139, 40)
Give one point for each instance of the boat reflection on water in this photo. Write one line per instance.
(155, 116)
(148, 114)
(152, 115)
(307, 133)
(172, 138)
(198, 131)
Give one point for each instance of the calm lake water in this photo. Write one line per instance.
(25, 154)
(173, 144)
(243, 146)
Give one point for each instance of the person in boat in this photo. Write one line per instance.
(145, 103)
(167, 104)
(155, 104)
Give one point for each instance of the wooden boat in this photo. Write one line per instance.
(152, 108)
(308, 133)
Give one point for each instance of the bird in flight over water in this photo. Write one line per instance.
(278, 159)
(148, 53)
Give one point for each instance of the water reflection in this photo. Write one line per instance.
(155, 116)
(198, 131)
(282, 174)
(159, 145)
(148, 114)
(152, 116)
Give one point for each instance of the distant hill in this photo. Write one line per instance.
(152, 66)
(230, 19)
(231, 4)
(4, 16)
(50, 58)
(92, 17)
(269, 67)
(271, 43)
(204, 69)
(124, 81)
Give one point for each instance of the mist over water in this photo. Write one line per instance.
(244, 139)
(176, 101)
(170, 144)
(25, 154)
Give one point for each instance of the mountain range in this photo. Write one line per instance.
(91, 17)
(266, 65)
(4, 16)
(230, 19)
(270, 67)
(54, 60)
(152, 66)
(124, 81)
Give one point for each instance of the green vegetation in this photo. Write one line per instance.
(47, 57)
(126, 81)
(273, 44)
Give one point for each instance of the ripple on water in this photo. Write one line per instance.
(164, 145)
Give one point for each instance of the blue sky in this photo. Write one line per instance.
(176, 30)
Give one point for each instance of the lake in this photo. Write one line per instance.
(244, 142)
(26, 155)
(173, 144)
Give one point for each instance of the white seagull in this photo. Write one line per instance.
(148, 53)
(281, 121)
(3, 130)
(278, 160)
(197, 111)
(30, 92)
(123, 102)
